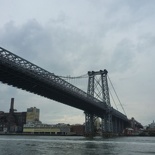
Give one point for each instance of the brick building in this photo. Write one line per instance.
(77, 129)
(12, 122)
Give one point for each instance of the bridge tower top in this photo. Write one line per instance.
(98, 85)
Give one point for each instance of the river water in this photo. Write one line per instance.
(57, 145)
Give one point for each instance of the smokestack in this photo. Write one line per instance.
(12, 105)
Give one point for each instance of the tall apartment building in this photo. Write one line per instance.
(32, 115)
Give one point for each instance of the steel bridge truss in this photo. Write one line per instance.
(98, 88)
(23, 74)
(12, 60)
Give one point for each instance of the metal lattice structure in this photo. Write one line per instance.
(90, 117)
(31, 69)
(98, 88)
(107, 118)
(25, 75)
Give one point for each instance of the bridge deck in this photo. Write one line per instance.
(22, 74)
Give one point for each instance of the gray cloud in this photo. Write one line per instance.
(122, 58)
(72, 38)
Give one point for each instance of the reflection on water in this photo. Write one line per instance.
(54, 145)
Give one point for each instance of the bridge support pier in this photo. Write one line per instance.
(107, 125)
(118, 126)
(89, 125)
(121, 126)
(114, 125)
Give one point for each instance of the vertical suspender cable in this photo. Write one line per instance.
(117, 96)
(113, 99)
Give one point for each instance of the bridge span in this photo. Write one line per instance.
(20, 73)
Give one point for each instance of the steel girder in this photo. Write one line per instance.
(89, 117)
(98, 87)
(89, 124)
(22, 65)
(108, 127)
(23, 74)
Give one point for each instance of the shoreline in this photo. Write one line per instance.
(27, 134)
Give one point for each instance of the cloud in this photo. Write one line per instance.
(72, 39)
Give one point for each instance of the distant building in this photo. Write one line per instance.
(35, 126)
(135, 128)
(12, 122)
(152, 125)
(77, 129)
(41, 129)
(32, 115)
(97, 123)
(150, 129)
(135, 125)
(64, 128)
(46, 129)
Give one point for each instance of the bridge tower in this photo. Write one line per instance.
(98, 88)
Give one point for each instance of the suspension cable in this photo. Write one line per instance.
(74, 77)
(113, 99)
(117, 96)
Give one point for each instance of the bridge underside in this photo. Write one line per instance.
(22, 80)
(22, 74)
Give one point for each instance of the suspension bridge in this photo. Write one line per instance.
(22, 74)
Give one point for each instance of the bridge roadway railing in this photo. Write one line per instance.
(14, 61)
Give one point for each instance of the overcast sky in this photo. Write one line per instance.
(72, 37)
